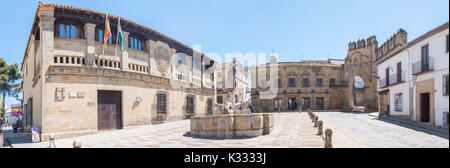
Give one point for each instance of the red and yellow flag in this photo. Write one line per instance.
(107, 32)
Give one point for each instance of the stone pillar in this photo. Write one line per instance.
(89, 30)
(320, 127)
(316, 118)
(148, 45)
(124, 56)
(46, 30)
(328, 138)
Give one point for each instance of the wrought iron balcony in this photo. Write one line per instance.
(423, 66)
(393, 79)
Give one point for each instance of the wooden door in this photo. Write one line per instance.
(425, 107)
(109, 110)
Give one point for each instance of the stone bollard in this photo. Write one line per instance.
(52, 141)
(328, 139)
(320, 128)
(315, 121)
(312, 117)
(76, 144)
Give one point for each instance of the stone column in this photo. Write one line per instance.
(46, 30)
(320, 128)
(124, 56)
(89, 30)
(328, 138)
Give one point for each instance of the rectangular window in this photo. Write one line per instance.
(332, 82)
(62, 31)
(100, 35)
(446, 87)
(305, 82)
(319, 82)
(219, 99)
(73, 32)
(398, 98)
(190, 104)
(291, 82)
(279, 82)
(161, 103)
(67, 31)
(425, 53)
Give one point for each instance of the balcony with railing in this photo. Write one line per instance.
(393, 79)
(423, 66)
(339, 84)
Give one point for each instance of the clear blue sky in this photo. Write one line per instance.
(295, 29)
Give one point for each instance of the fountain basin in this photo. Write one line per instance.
(231, 125)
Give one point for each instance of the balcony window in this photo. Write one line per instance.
(68, 31)
(100, 37)
(135, 43)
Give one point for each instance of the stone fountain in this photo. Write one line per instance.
(230, 121)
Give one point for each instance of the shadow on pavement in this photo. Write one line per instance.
(15, 138)
(427, 131)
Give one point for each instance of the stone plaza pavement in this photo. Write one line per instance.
(291, 130)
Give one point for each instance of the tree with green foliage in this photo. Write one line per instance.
(9, 75)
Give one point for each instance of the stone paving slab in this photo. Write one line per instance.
(290, 131)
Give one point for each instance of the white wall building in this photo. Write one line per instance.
(414, 79)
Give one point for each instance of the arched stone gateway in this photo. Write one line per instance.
(359, 69)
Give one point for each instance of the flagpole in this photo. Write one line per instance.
(117, 38)
(106, 19)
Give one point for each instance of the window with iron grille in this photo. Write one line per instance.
(398, 99)
(190, 104)
(161, 103)
(446, 86)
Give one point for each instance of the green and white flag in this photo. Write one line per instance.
(119, 37)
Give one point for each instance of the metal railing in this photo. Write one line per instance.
(393, 79)
(421, 66)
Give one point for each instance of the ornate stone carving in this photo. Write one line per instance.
(162, 56)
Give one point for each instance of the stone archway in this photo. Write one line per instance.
(358, 91)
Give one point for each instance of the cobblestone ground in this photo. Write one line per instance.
(361, 130)
(292, 130)
(286, 134)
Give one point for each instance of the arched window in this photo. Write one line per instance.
(358, 82)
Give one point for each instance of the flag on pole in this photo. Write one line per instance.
(119, 37)
(107, 33)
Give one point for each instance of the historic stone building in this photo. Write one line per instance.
(71, 87)
(232, 79)
(331, 84)
(319, 85)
